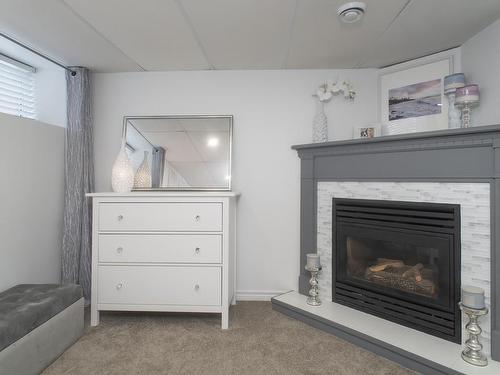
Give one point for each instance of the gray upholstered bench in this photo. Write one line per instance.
(38, 322)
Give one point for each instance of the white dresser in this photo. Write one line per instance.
(164, 251)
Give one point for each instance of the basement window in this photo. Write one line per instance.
(17, 88)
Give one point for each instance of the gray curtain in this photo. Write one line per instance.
(79, 168)
(157, 167)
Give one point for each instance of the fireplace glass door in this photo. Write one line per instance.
(399, 261)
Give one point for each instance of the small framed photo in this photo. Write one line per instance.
(369, 131)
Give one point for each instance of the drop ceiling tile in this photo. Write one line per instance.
(206, 124)
(52, 28)
(152, 32)
(178, 146)
(156, 124)
(430, 26)
(321, 40)
(219, 152)
(243, 34)
(121, 35)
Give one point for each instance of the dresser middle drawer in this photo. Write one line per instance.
(160, 248)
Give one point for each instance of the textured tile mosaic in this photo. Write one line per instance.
(474, 200)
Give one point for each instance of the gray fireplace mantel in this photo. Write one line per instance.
(454, 155)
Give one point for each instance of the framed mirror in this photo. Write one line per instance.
(180, 152)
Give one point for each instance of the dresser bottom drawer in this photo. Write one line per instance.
(159, 285)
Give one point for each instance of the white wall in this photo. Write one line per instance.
(272, 111)
(50, 92)
(31, 191)
(480, 62)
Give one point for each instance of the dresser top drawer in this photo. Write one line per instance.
(160, 216)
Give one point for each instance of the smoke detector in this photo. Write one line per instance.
(351, 12)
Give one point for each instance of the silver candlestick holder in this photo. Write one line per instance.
(466, 109)
(313, 298)
(473, 348)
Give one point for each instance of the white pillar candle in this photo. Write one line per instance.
(313, 261)
(473, 297)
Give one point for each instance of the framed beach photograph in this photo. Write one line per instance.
(416, 100)
(411, 97)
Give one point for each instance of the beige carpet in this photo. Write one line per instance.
(259, 341)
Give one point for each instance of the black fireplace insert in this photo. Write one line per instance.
(399, 261)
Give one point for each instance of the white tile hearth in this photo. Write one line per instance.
(474, 200)
(407, 339)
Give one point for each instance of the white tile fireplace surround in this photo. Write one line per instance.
(474, 201)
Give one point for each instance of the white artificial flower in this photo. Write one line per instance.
(326, 91)
(323, 94)
(333, 87)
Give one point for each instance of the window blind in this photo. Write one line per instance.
(17, 88)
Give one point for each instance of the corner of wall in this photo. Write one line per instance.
(480, 55)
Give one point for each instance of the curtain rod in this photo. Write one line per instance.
(73, 73)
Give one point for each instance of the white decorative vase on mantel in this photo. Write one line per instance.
(122, 174)
(320, 124)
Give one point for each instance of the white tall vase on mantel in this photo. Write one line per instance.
(320, 124)
(122, 174)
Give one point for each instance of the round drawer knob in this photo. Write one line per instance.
(119, 250)
(120, 217)
(119, 286)
(197, 250)
(196, 287)
(197, 218)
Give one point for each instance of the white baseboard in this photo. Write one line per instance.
(257, 295)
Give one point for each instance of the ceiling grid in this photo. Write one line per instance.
(195, 34)
(170, 35)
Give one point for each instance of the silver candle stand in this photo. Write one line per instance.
(313, 298)
(473, 348)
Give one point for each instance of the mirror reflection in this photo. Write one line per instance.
(180, 153)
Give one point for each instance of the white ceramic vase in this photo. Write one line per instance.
(122, 175)
(143, 176)
(320, 124)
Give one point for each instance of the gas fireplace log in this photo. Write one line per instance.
(427, 286)
(383, 263)
(414, 272)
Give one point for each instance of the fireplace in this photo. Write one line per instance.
(399, 261)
